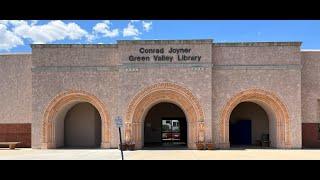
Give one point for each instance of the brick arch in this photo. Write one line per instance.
(267, 100)
(164, 92)
(61, 101)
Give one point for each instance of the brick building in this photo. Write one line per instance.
(168, 92)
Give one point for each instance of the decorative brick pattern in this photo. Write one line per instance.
(164, 92)
(272, 102)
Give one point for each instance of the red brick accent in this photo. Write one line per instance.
(17, 133)
(310, 135)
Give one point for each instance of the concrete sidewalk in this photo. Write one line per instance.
(114, 154)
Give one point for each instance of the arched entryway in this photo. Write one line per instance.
(277, 113)
(71, 112)
(249, 126)
(82, 127)
(165, 126)
(160, 93)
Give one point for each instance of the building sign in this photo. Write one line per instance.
(170, 54)
(119, 121)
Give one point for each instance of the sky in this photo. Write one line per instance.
(17, 35)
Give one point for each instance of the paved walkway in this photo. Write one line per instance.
(113, 154)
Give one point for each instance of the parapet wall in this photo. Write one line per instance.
(256, 53)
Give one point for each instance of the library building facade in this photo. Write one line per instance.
(193, 94)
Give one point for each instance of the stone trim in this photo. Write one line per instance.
(191, 41)
(258, 67)
(73, 68)
(310, 50)
(73, 45)
(60, 101)
(271, 100)
(159, 65)
(16, 53)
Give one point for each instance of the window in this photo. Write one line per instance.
(175, 124)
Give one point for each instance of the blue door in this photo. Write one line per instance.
(240, 133)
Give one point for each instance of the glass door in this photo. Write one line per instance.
(170, 132)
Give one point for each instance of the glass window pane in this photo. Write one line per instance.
(175, 126)
(166, 127)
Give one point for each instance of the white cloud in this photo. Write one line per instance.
(34, 22)
(8, 39)
(18, 22)
(14, 32)
(90, 37)
(130, 30)
(136, 38)
(15, 23)
(50, 32)
(104, 28)
(4, 22)
(107, 22)
(146, 25)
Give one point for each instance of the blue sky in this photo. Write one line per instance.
(15, 36)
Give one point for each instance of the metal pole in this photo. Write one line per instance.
(120, 143)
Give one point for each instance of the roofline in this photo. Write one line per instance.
(266, 43)
(71, 45)
(189, 41)
(180, 41)
(16, 53)
(310, 50)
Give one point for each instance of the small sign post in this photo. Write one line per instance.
(119, 125)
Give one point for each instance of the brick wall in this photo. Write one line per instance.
(15, 89)
(310, 135)
(310, 87)
(16, 133)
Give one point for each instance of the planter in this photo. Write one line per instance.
(210, 146)
(131, 147)
(124, 147)
(200, 146)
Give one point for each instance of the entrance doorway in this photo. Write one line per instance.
(165, 127)
(240, 133)
(173, 131)
(79, 127)
(249, 126)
